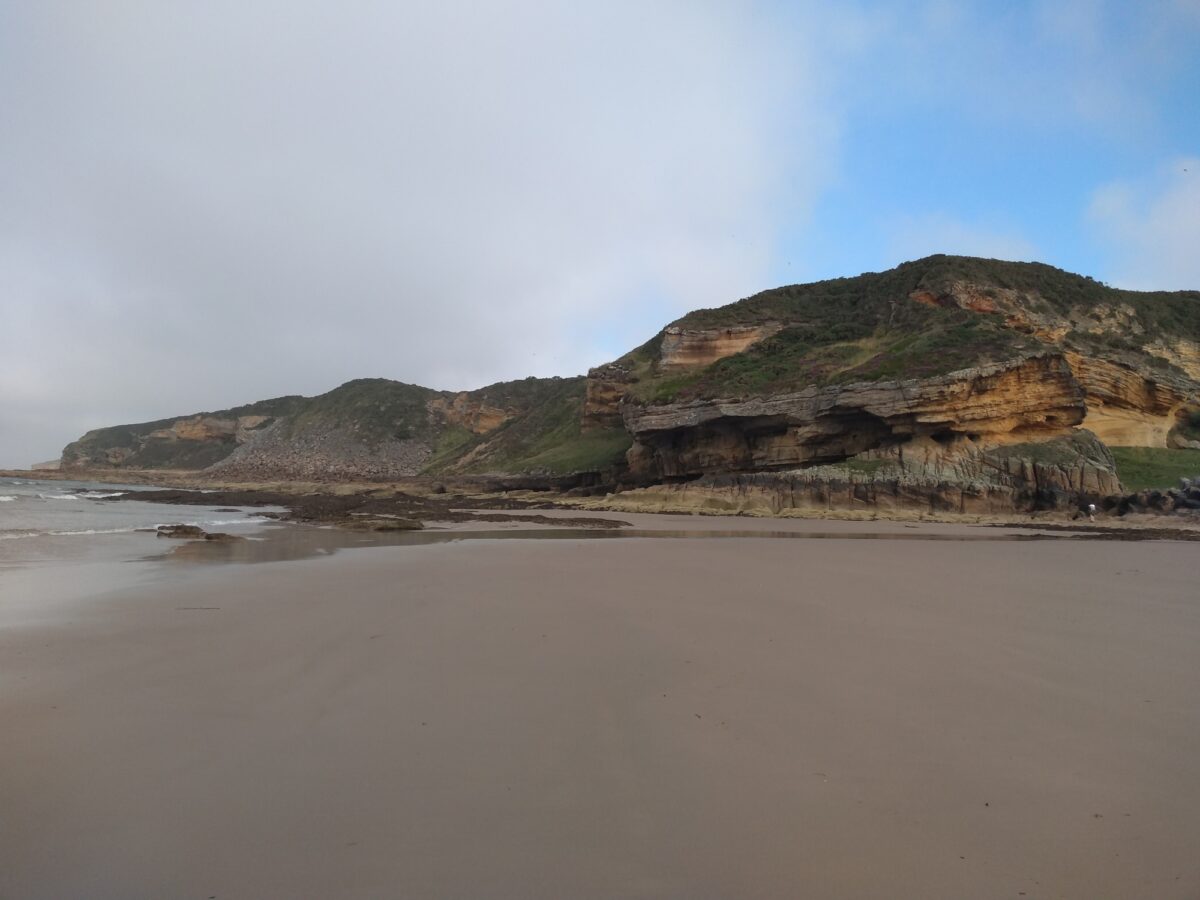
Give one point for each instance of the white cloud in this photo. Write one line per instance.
(912, 237)
(1152, 227)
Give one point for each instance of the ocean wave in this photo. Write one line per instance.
(7, 498)
(100, 495)
(93, 531)
(59, 496)
(14, 535)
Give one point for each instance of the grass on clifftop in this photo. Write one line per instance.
(372, 409)
(915, 342)
(869, 298)
(1145, 468)
(867, 328)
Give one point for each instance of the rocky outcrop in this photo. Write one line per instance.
(1126, 407)
(194, 441)
(1182, 499)
(1030, 313)
(382, 523)
(684, 348)
(181, 531)
(993, 404)
(1183, 354)
(196, 533)
(606, 385)
(468, 412)
(208, 428)
(1063, 473)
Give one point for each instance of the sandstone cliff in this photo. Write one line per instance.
(940, 361)
(1060, 473)
(1006, 402)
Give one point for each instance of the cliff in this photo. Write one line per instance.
(368, 429)
(929, 373)
(930, 366)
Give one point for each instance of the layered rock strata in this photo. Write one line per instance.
(999, 403)
(606, 385)
(467, 412)
(1061, 474)
(684, 348)
(1127, 408)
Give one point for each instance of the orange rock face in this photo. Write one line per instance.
(684, 349)
(606, 385)
(476, 417)
(1124, 407)
(1025, 399)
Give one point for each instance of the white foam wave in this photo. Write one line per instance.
(7, 498)
(94, 531)
(98, 495)
(59, 496)
(15, 535)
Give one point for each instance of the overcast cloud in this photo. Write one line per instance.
(203, 204)
(207, 204)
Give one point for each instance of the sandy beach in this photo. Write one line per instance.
(694, 717)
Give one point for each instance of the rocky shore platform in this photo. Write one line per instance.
(371, 509)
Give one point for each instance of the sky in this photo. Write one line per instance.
(206, 204)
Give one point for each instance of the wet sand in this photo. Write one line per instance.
(692, 718)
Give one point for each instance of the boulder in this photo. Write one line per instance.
(181, 531)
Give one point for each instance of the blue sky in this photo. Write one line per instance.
(277, 197)
(996, 127)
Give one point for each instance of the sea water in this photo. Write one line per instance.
(42, 520)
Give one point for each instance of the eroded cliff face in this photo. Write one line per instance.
(1182, 353)
(606, 386)
(684, 348)
(1019, 400)
(1125, 407)
(467, 412)
(208, 428)
(206, 438)
(923, 475)
(1097, 370)
(1031, 314)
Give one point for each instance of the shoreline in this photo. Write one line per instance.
(423, 498)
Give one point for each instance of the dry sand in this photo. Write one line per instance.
(685, 718)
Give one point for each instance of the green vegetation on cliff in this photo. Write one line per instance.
(371, 409)
(131, 446)
(869, 298)
(547, 438)
(868, 328)
(1145, 468)
(916, 342)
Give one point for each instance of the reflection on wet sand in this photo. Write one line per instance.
(280, 543)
